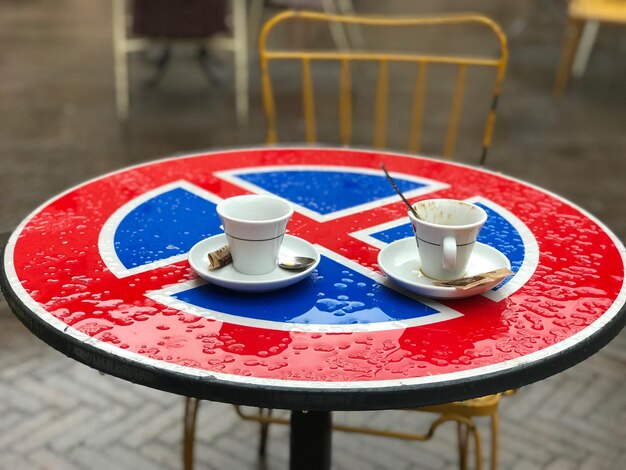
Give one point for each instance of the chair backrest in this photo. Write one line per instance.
(383, 56)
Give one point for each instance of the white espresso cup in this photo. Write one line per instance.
(446, 234)
(255, 226)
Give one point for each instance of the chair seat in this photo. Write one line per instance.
(610, 11)
(481, 406)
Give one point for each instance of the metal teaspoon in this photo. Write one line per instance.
(295, 262)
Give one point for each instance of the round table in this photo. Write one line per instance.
(100, 272)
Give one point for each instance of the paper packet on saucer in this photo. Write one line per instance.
(473, 281)
(219, 258)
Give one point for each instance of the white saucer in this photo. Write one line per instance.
(400, 262)
(229, 278)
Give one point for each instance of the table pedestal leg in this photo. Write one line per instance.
(310, 442)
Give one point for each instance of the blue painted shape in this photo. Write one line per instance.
(394, 233)
(318, 190)
(497, 232)
(332, 294)
(166, 225)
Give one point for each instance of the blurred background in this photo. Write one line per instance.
(59, 127)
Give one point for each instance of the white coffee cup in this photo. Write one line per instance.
(446, 234)
(255, 226)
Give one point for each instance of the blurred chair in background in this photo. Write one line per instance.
(348, 59)
(139, 25)
(344, 38)
(423, 65)
(583, 22)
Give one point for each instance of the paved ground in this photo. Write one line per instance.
(58, 128)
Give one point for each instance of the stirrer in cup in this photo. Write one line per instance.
(395, 186)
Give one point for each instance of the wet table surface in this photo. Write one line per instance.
(101, 273)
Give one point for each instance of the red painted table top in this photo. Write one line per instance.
(104, 265)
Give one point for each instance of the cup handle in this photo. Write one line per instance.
(449, 252)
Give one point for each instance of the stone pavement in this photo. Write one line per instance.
(58, 128)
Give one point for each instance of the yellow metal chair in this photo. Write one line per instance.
(463, 413)
(421, 64)
(583, 20)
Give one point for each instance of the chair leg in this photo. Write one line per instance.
(208, 65)
(570, 43)
(240, 29)
(122, 93)
(189, 431)
(478, 448)
(337, 31)
(462, 435)
(585, 46)
(264, 430)
(494, 440)
(346, 7)
(160, 66)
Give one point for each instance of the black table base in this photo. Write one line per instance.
(310, 442)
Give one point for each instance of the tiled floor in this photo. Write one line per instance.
(58, 128)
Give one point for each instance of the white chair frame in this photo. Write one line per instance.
(237, 43)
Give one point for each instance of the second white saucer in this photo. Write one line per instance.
(230, 279)
(400, 262)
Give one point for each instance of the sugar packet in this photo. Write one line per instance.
(477, 280)
(219, 258)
